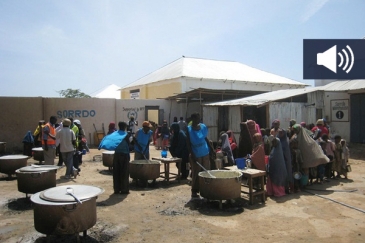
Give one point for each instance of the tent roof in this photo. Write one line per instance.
(214, 70)
(111, 91)
(262, 99)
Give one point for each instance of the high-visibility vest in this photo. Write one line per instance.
(52, 131)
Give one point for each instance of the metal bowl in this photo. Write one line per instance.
(297, 175)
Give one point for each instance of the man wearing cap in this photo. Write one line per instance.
(320, 125)
(67, 141)
(49, 141)
(142, 140)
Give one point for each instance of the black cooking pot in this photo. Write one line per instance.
(36, 178)
(10, 163)
(56, 212)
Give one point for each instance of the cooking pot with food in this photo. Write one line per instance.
(36, 178)
(67, 209)
(220, 184)
(108, 157)
(38, 154)
(10, 163)
(144, 169)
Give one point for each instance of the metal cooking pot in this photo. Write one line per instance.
(36, 178)
(108, 157)
(297, 175)
(10, 163)
(38, 154)
(2, 147)
(226, 184)
(144, 169)
(56, 212)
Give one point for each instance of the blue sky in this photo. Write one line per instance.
(47, 46)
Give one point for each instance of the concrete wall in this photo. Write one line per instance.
(22, 114)
(337, 127)
(19, 115)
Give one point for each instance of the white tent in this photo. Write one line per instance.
(111, 91)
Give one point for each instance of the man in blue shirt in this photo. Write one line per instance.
(143, 137)
(199, 150)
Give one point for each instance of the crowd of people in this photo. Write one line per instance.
(296, 156)
(66, 140)
(293, 157)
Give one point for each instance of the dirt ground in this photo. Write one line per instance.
(332, 212)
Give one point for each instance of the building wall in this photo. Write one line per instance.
(336, 127)
(161, 89)
(21, 114)
(235, 120)
(165, 88)
(210, 119)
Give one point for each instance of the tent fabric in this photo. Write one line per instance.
(215, 70)
(111, 91)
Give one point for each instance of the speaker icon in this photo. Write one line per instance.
(329, 59)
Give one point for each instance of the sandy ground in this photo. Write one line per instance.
(166, 213)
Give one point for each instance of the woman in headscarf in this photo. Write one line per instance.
(232, 142)
(287, 158)
(111, 128)
(275, 125)
(297, 160)
(226, 148)
(277, 174)
(311, 152)
(258, 152)
(245, 142)
(178, 148)
(253, 128)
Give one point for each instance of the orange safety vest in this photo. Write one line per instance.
(52, 131)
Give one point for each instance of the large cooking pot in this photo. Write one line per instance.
(2, 147)
(10, 163)
(56, 212)
(38, 154)
(144, 169)
(36, 178)
(220, 184)
(108, 157)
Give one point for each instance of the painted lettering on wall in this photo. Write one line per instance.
(76, 113)
(133, 111)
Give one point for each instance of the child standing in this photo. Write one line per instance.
(345, 157)
(330, 152)
(337, 163)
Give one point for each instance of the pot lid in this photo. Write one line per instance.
(59, 193)
(37, 149)
(16, 156)
(108, 152)
(38, 168)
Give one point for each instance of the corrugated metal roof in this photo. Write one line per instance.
(346, 85)
(212, 69)
(262, 99)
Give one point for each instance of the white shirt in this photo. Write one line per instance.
(66, 136)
